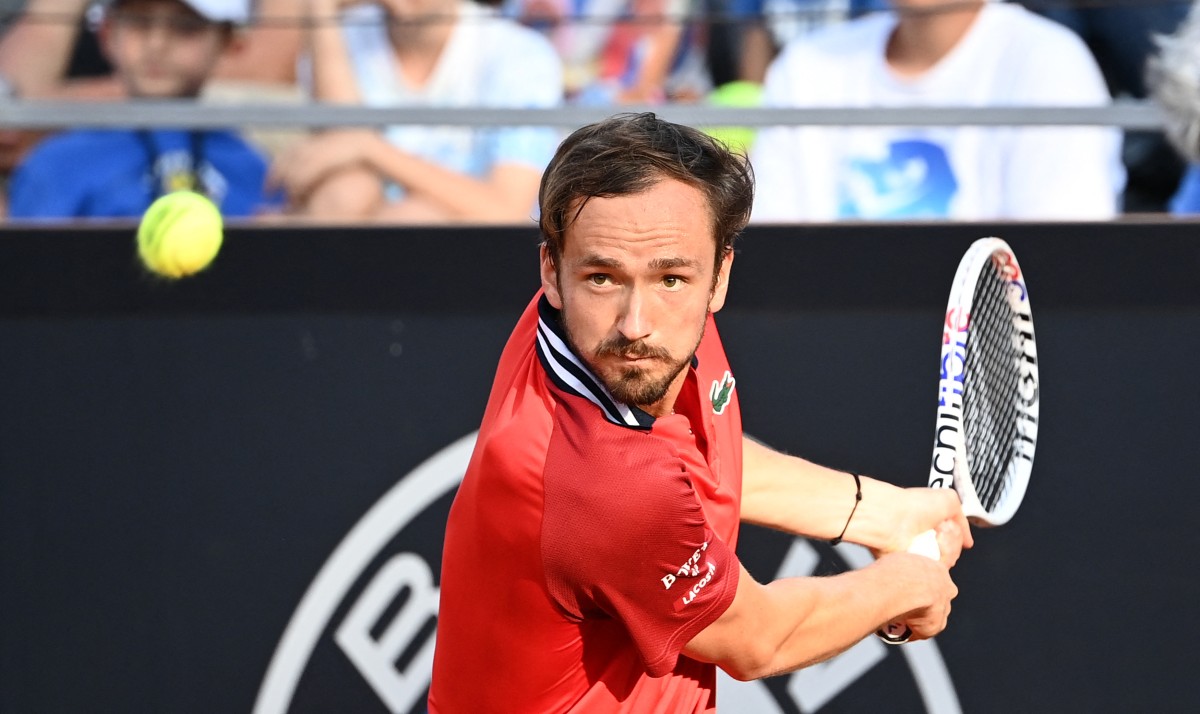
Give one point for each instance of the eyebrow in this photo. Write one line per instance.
(598, 261)
(673, 263)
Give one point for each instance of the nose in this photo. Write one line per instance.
(158, 36)
(634, 323)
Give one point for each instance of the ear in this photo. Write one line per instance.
(717, 301)
(550, 279)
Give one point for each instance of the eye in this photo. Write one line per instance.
(599, 279)
(189, 26)
(672, 282)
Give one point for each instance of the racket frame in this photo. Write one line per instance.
(949, 466)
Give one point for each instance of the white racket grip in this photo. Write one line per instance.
(897, 633)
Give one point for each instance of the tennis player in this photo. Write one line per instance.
(589, 561)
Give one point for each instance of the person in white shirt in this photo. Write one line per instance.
(937, 53)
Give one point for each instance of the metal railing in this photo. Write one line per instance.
(34, 114)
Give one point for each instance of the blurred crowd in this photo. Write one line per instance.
(542, 54)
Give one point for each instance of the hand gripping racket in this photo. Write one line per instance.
(987, 416)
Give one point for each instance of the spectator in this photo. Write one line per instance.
(52, 51)
(385, 54)
(621, 51)
(929, 53)
(1121, 36)
(1174, 79)
(160, 49)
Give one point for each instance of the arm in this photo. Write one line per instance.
(662, 38)
(36, 50)
(333, 75)
(269, 49)
(790, 494)
(795, 622)
(758, 49)
(505, 196)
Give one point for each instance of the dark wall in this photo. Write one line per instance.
(179, 461)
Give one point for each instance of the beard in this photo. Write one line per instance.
(635, 385)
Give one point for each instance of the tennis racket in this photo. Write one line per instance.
(987, 415)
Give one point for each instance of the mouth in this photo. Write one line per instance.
(637, 360)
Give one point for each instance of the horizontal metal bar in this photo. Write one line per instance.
(34, 114)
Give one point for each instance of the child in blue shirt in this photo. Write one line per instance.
(160, 49)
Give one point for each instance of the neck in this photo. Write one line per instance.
(924, 36)
(419, 43)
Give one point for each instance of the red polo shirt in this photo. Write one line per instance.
(589, 542)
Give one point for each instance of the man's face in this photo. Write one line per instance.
(635, 285)
(161, 48)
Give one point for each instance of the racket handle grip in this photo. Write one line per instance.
(897, 633)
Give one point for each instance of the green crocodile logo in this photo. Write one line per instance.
(721, 392)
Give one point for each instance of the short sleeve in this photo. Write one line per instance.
(624, 536)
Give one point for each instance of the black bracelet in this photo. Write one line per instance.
(857, 498)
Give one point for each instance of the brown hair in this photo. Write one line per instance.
(628, 153)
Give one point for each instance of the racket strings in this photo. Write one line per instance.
(991, 389)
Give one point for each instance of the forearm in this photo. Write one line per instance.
(333, 76)
(842, 610)
(506, 197)
(651, 81)
(796, 496)
(35, 52)
(796, 622)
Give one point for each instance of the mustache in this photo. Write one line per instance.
(622, 347)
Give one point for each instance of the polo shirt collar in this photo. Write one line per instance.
(570, 374)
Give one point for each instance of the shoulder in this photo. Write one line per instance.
(1044, 61)
(84, 141)
(1028, 33)
(859, 37)
(507, 40)
(621, 474)
(829, 62)
(85, 151)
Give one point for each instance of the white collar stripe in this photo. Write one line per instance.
(576, 378)
(564, 377)
(566, 369)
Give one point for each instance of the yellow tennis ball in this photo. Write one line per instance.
(180, 234)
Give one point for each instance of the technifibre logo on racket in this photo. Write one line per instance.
(950, 388)
(955, 335)
(385, 629)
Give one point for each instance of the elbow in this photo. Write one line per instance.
(754, 662)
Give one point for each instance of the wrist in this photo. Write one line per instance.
(878, 523)
(858, 496)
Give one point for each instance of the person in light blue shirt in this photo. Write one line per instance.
(160, 49)
(454, 54)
